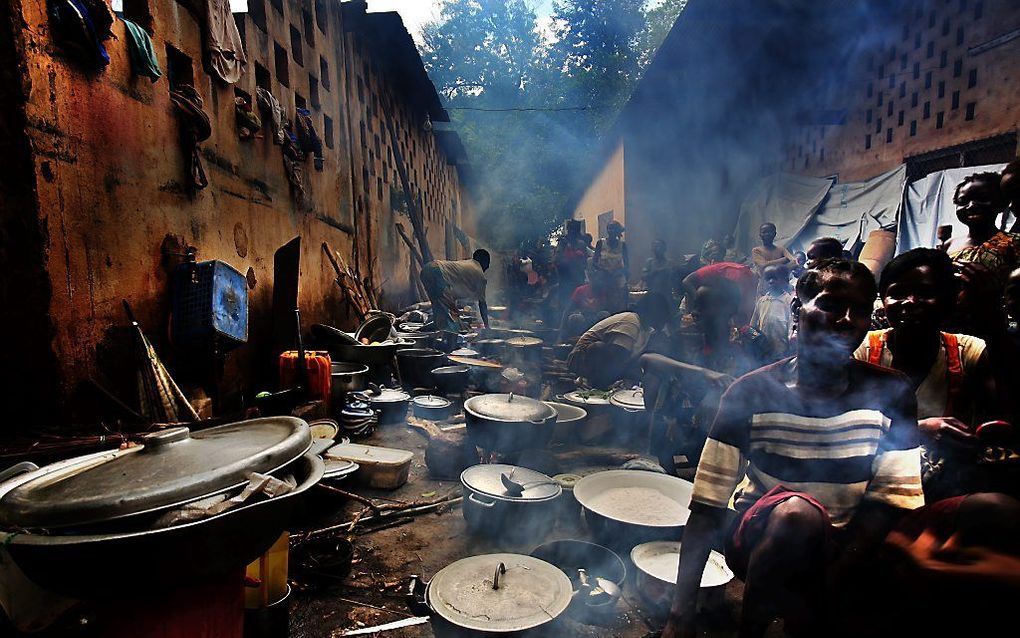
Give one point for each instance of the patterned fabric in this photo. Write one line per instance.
(859, 446)
(1000, 254)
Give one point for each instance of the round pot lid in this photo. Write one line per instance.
(632, 400)
(323, 429)
(430, 401)
(660, 559)
(486, 479)
(523, 342)
(509, 408)
(172, 467)
(457, 369)
(587, 397)
(464, 352)
(419, 352)
(339, 468)
(489, 342)
(530, 592)
(389, 395)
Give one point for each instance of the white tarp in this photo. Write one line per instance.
(786, 200)
(806, 208)
(928, 204)
(852, 210)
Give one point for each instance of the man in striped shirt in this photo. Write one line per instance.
(829, 448)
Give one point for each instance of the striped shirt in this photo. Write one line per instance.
(842, 451)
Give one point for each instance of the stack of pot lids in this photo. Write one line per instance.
(486, 480)
(531, 593)
(339, 468)
(632, 400)
(171, 468)
(510, 408)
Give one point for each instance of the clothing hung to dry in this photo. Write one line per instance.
(195, 128)
(223, 42)
(272, 110)
(80, 27)
(143, 58)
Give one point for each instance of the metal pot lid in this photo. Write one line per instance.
(524, 342)
(510, 408)
(339, 468)
(633, 399)
(431, 401)
(420, 352)
(323, 429)
(389, 395)
(488, 342)
(577, 396)
(172, 467)
(457, 369)
(531, 593)
(464, 352)
(486, 480)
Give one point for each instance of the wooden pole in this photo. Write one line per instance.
(413, 211)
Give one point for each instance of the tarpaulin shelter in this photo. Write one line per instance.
(805, 208)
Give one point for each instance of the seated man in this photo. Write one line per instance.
(682, 392)
(610, 349)
(587, 305)
(448, 281)
(829, 447)
(951, 373)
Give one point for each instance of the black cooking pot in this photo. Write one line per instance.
(415, 366)
(451, 379)
(490, 347)
(508, 423)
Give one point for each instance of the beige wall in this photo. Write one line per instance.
(605, 193)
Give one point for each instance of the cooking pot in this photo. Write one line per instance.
(655, 566)
(600, 414)
(598, 562)
(507, 423)
(87, 565)
(376, 328)
(490, 508)
(568, 418)
(490, 347)
(524, 350)
(378, 354)
(451, 379)
(493, 595)
(415, 366)
(390, 404)
(622, 522)
(346, 377)
(431, 407)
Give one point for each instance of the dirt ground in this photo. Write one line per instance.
(373, 592)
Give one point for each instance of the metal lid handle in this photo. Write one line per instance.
(500, 569)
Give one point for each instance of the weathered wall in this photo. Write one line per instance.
(604, 194)
(110, 173)
(909, 90)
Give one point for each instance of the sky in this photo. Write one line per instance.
(416, 13)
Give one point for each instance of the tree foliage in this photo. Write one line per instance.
(530, 98)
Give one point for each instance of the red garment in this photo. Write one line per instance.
(938, 517)
(741, 275)
(752, 525)
(584, 297)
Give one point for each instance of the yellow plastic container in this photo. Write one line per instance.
(269, 571)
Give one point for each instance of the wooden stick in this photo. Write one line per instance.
(419, 508)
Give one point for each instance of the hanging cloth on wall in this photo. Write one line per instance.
(195, 128)
(143, 58)
(223, 44)
(308, 139)
(80, 27)
(292, 158)
(272, 110)
(248, 122)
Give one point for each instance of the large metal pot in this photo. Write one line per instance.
(524, 350)
(490, 347)
(390, 404)
(656, 565)
(507, 423)
(451, 379)
(508, 595)
(491, 509)
(415, 366)
(568, 419)
(600, 414)
(346, 377)
(98, 563)
(431, 407)
(598, 562)
(621, 522)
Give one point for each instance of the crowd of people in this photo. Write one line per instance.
(849, 434)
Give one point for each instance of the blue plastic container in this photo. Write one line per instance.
(210, 299)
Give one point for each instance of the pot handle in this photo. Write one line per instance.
(471, 497)
(415, 597)
(15, 470)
